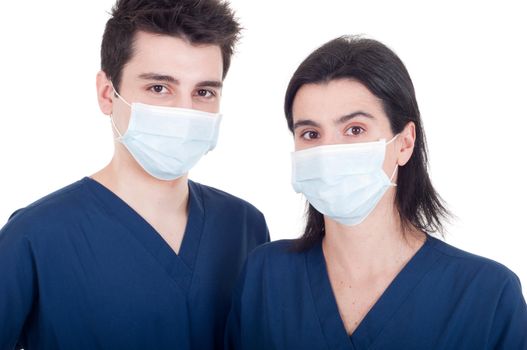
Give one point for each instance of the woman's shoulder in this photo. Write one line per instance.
(276, 266)
(280, 254)
(283, 248)
(470, 264)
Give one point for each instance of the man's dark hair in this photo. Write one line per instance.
(197, 21)
(384, 74)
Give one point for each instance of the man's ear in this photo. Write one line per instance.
(405, 144)
(104, 93)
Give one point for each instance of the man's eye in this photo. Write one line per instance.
(309, 135)
(205, 93)
(355, 130)
(158, 89)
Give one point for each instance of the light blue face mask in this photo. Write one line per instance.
(345, 181)
(166, 141)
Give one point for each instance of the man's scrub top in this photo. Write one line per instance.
(444, 298)
(80, 269)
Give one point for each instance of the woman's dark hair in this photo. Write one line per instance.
(384, 74)
(198, 21)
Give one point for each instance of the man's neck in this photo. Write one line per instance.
(147, 195)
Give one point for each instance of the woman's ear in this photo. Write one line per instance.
(405, 144)
(104, 93)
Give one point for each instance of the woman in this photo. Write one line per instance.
(366, 274)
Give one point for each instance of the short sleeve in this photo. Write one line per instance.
(17, 286)
(233, 325)
(509, 327)
(264, 231)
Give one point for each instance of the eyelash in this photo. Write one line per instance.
(211, 92)
(317, 135)
(152, 89)
(355, 127)
(307, 132)
(164, 88)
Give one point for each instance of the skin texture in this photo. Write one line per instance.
(164, 71)
(362, 260)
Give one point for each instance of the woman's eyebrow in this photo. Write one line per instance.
(341, 120)
(305, 122)
(347, 117)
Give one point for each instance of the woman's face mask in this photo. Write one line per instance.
(342, 163)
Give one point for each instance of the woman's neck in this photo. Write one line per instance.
(378, 244)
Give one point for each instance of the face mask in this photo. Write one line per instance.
(166, 141)
(345, 181)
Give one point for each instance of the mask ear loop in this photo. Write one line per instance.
(111, 115)
(387, 143)
(120, 97)
(396, 165)
(115, 127)
(393, 174)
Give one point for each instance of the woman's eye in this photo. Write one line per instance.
(355, 130)
(309, 135)
(205, 93)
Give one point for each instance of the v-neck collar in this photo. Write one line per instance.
(179, 267)
(382, 311)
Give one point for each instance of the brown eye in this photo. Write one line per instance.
(355, 130)
(205, 93)
(158, 89)
(310, 135)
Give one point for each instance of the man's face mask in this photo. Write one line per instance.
(167, 141)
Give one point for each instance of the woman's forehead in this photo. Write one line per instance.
(335, 99)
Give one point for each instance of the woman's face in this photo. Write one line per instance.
(345, 111)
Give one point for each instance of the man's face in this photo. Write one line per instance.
(168, 71)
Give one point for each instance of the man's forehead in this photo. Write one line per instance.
(174, 57)
(144, 42)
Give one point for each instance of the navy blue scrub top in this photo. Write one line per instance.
(80, 269)
(444, 298)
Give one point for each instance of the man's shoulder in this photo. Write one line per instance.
(57, 207)
(220, 199)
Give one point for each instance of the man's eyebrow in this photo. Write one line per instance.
(347, 117)
(159, 77)
(210, 83)
(305, 122)
(170, 79)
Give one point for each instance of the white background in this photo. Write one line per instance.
(468, 61)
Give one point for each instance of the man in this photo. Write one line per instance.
(137, 256)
